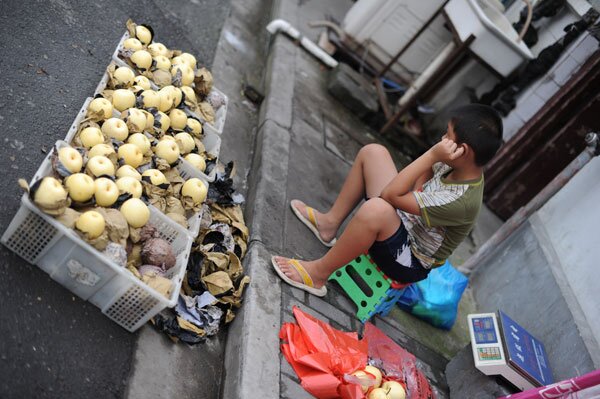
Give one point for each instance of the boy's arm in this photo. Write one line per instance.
(425, 177)
(399, 191)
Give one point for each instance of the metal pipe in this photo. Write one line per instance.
(536, 203)
(280, 25)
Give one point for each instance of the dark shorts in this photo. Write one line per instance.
(396, 260)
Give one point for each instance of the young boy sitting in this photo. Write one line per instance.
(412, 220)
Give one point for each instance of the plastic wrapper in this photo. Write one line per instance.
(178, 329)
(215, 99)
(436, 298)
(321, 356)
(116, 253)
(325, 358)
(396, 363)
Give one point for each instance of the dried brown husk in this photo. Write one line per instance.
(156, 194)
(162, 165)
(135, 235)
(242, 244)
(176, 80)
(206, 220)
(133, 270)
(68, 218)
(160, 284)
(191, 103)
(206, 112)
(186, 325)
(233, 216)
(99, 242)
(134, 256)
(174, 205)
(175, 179)
(203, 81)
(179, 219)
(218, 283)
(116, 225)
(189, 204)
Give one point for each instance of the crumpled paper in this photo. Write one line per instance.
(161, 284)
(206, 111)
(116, 225)
(203, 82)
(199, 311)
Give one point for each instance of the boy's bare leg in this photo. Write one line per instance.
(372, 170)
(376, 220)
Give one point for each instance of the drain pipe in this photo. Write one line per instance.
(279, 25)
(516, 220)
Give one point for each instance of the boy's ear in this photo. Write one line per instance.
(467, 150)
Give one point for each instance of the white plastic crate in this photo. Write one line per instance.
(220, 114)
(69, 260)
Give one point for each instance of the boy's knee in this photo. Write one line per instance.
(377, 211)
(374, 150)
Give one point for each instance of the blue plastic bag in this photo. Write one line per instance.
(436, 298)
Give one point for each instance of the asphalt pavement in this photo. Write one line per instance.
(54, 345)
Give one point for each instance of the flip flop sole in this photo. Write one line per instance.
(311, 227)
(320, 292)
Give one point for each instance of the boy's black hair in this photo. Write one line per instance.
(480, 127)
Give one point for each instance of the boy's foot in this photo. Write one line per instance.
(315, 221)
(300, 274)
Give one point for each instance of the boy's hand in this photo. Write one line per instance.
(446, 150)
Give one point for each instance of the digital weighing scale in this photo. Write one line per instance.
(503, 347)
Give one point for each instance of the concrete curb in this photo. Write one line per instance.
(252, 366)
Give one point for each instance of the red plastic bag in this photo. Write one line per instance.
(396, 363)
(324, 358)
(321, 355)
